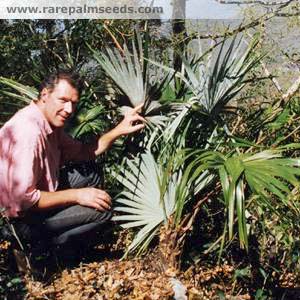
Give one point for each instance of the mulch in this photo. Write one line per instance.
(104, 276)
(132, 279)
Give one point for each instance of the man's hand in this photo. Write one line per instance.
(88, 196)
(132, 121)
(94, 198)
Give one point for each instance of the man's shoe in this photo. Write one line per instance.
(22, 261)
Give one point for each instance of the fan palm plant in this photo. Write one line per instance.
(212, 83)
(157, 195)
(226, 76)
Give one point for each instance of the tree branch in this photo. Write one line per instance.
(266, 3)
(292, 90)
(263, 18)
(114, 39)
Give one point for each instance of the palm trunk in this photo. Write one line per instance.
(172, 238)
(169, 248)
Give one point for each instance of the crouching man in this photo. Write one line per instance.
(42, 199)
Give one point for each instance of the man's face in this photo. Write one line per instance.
(59, 103)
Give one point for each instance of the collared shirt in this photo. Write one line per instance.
(31, 153)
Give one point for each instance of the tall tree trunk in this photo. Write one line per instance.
(179, 32)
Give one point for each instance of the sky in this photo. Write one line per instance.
(204, 9)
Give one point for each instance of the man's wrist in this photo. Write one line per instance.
(106, 140)
(75, 195)
(115, 133)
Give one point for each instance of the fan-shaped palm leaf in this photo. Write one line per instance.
(145, 202)
(126, 72)
(266, 173)
(218, 79)
(130, 74)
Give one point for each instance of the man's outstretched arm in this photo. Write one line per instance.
(73, 150)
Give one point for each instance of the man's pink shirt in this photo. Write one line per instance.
(31, 153)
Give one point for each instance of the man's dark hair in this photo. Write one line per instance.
(52, 79)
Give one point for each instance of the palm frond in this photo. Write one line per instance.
(266, 173)
(218, 81)
(130, 72)
(125, 71)
(144, 203)
(25, 93)
(217, 78)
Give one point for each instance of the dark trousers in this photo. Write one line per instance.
(71, 224)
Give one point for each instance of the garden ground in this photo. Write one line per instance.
(101, 274)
